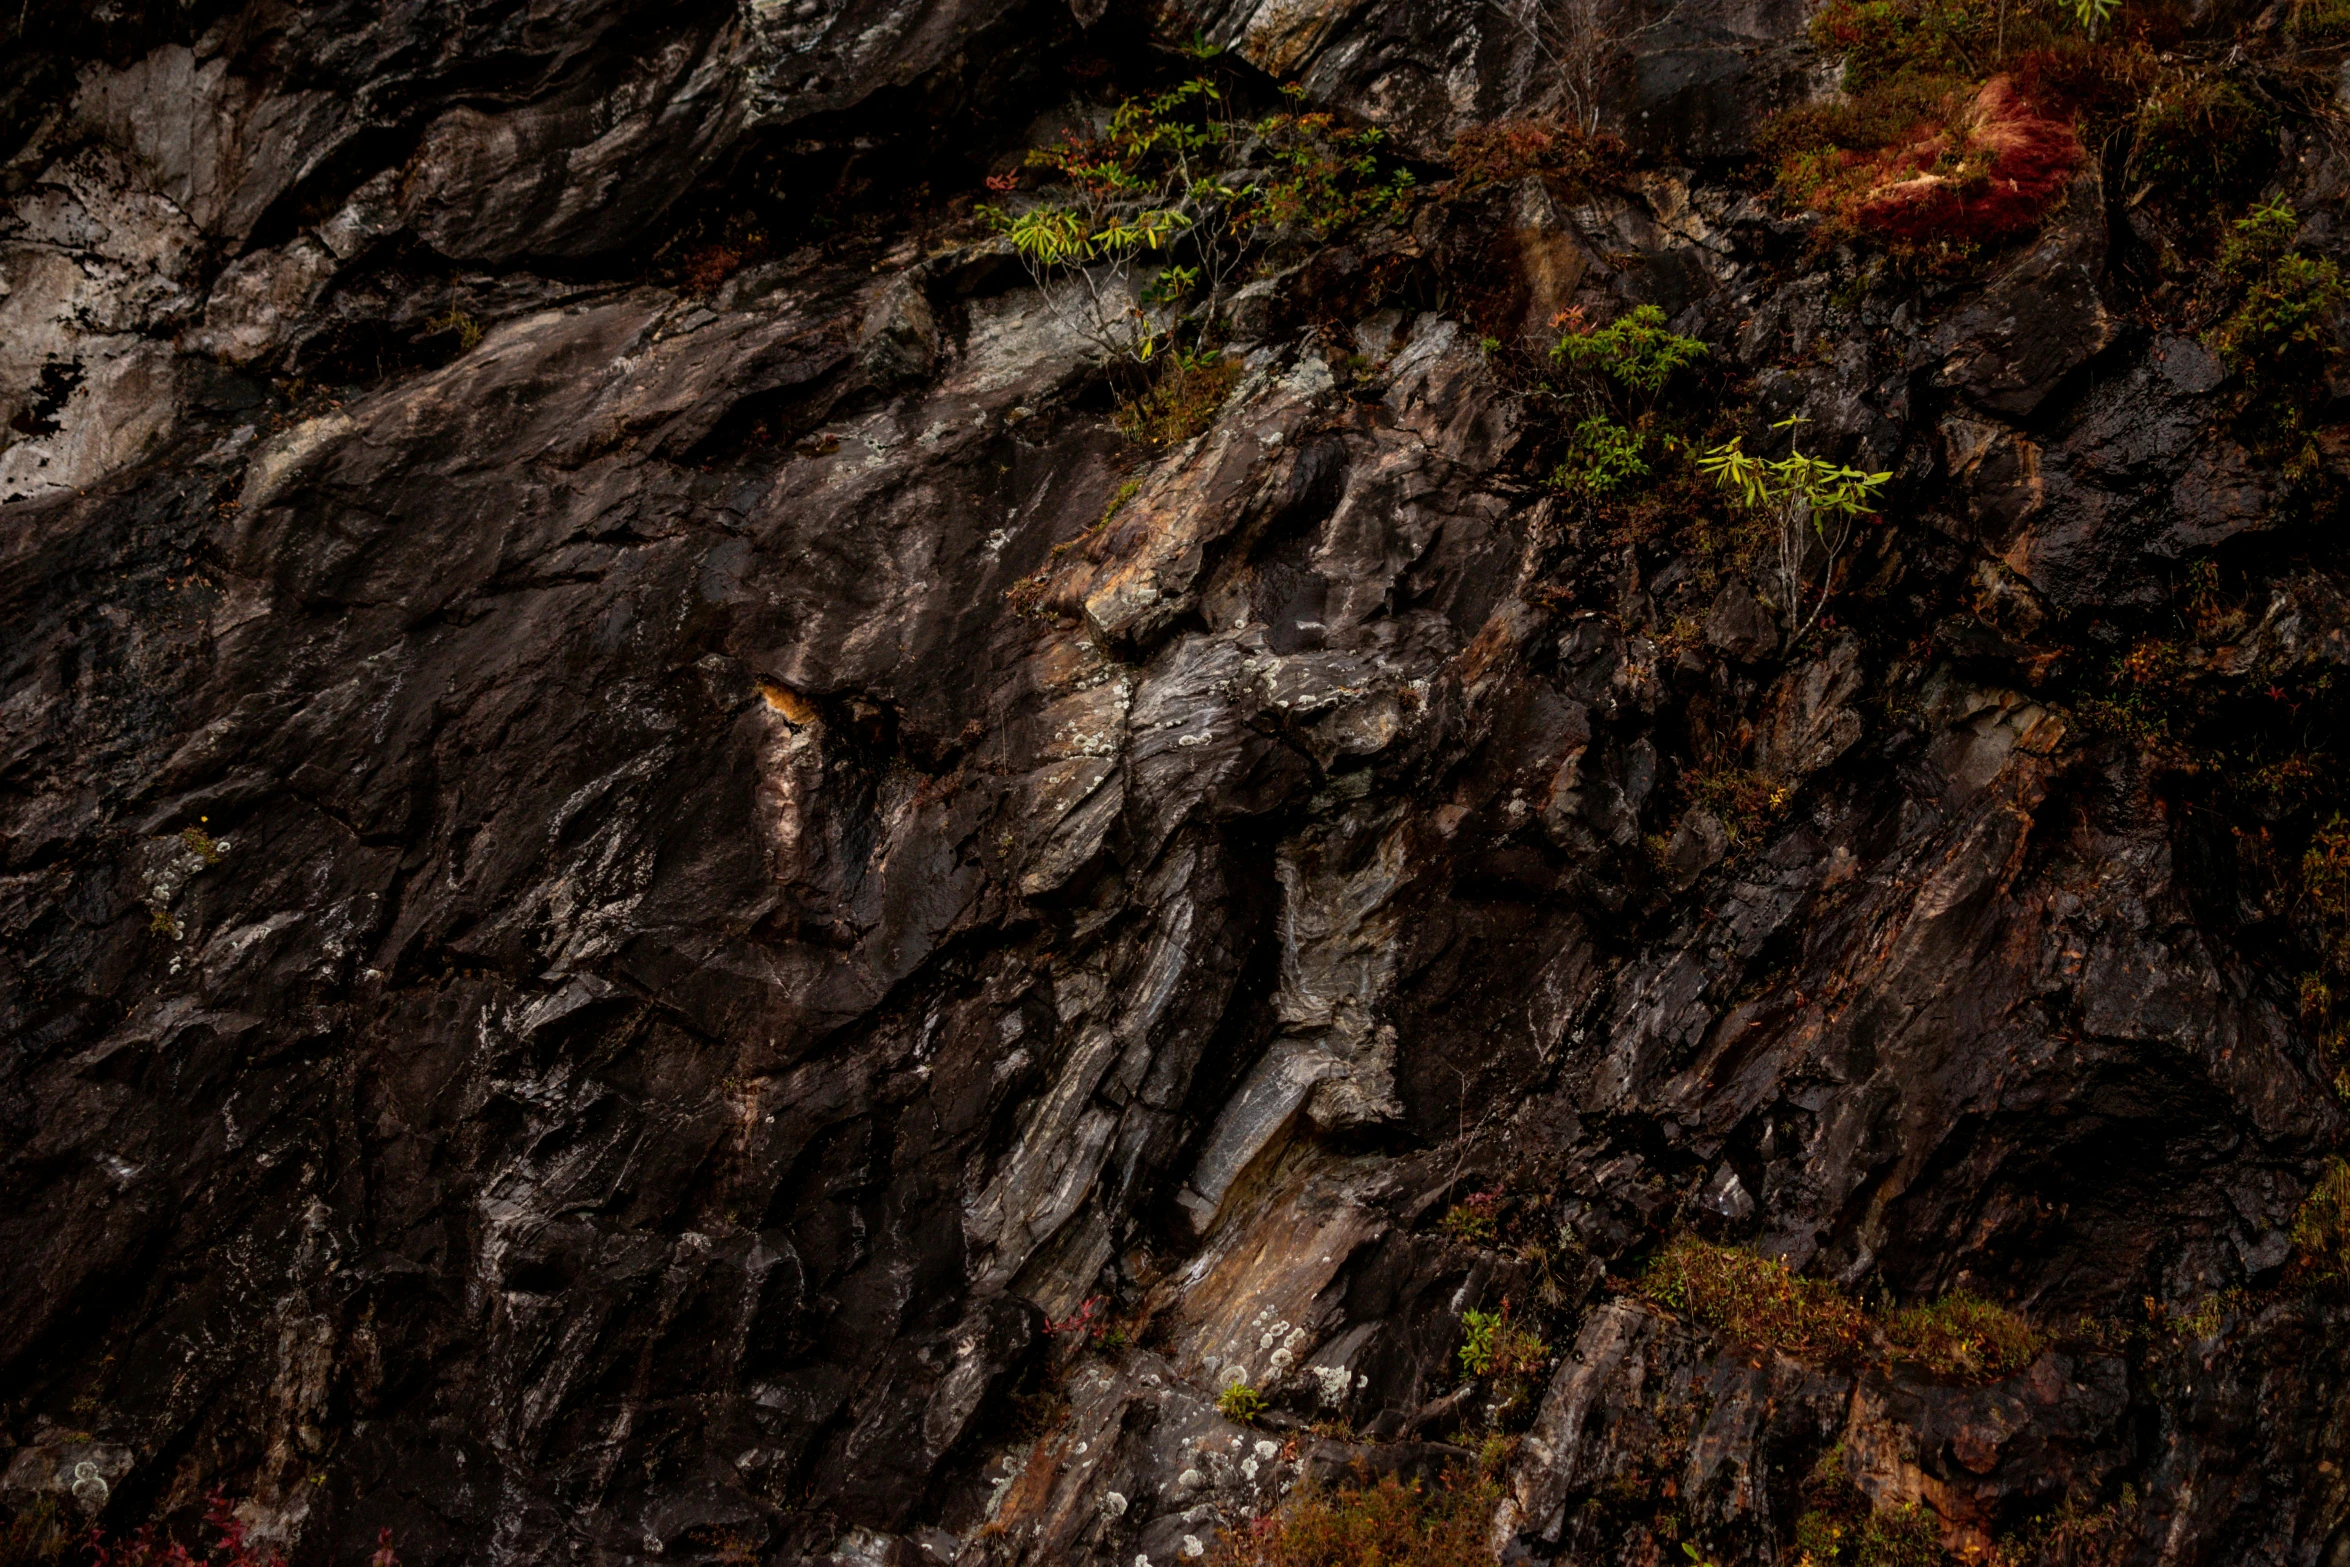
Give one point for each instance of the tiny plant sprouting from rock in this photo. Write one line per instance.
(1240, 1403)
(1810, 507)
(1476, 1219)
(1493, 1345)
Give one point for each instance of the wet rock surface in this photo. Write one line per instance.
(638, 908)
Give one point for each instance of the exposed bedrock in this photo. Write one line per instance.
(614, 922)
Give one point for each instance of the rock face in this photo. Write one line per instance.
(632, 906)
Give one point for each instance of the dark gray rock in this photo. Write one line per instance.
(642, 927)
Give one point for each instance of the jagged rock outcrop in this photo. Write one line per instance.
(629, 899)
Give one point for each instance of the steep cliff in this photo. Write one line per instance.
(688, 877)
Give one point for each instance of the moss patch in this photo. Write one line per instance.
(1760, 1301)
(1390, 1522)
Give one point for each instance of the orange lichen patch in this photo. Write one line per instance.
(1977, 169)
(796, 709)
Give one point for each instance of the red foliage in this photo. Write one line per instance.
(710, 266)
(1513, 149)
(1984, 170)
(233, 1548)
(1079, 1321)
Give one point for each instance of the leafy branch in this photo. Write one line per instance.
(1810, 506)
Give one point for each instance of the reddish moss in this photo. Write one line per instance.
(1971, 171)
(1512, 149)
(1762, 1302)
(1755, 1300)
(1391, 1522)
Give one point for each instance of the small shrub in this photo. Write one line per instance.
(36, 1537)
(1325, 177)
(2074, 1534)
(1886, 41)
(1510, 150)
(2286, 300)
(1180, 405)
(1177, 166)
(1840, 1527)
(1476, 1220)
(1635, 350)
(1493, 1345)
(1762, 1302)
(1602, 458)
(1755, 1300)
(1240, 1403)
(1904, 1536)
(1383, 1523)
(1808, 505)
(1961, 1335)
(1742, 799)
(1615, 376)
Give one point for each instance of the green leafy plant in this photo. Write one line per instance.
(2092, 14)
(1809, 507)
(1635, 350)
(1118, 200)
(1493, 1345)
(1156, 211)
(1240, 1403)
(2200, 140)
(1616, 374)
(2286, 301)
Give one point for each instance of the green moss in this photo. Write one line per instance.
(1126, 492)
(2200, 141)
(2321, 1230)
(1743, 799)
(1240, 1403)
(2318, 21)
(1962, 1335)
(1840, 1527)
(1885, 41)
